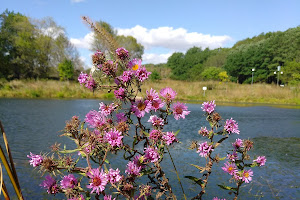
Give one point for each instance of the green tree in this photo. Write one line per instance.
(66, 70)
(211, 73)
(128, 42)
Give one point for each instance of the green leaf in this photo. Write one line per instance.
(70, 151)
(202, 169)
(225, 187)
(145, 133)
(196, 180)
(176, 133)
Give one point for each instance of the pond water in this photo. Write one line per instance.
(34, 125)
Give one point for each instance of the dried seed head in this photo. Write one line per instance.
(216, 117)
(48, 164)
(248, 144)
(193, 145)
(98, 58)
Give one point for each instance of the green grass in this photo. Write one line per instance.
(190, 91)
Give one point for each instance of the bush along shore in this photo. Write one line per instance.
(189, 91)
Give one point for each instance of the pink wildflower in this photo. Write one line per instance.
(209, 107)
(82, 78)
(114, 175)
(122, 53)
(247, 175)
(109, 67)
(203, 131)
(260, 160)
(90, 83)
(121, 117)
(151, 154)
(231, 126)
(108, 197)
(156, 121)
(157, 104)
(133, 168)
(68, 181)
(142, 74)
(120, 93)
(155, 135)
(229, 168)
(216, 198)
(135, 64)
(179, 110)
(152, 95)
(114, 137)
(98, 180)
(95, 119)
(169, 138)
(233, 157)
(36, 160)
(50, 184)
(204, 149)
(141, 107)
(168, 93)
(238, 143)
(126, 77)
(106, 110)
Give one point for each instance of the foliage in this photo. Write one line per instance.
(66, 70)
(211, 73)
(31, 48)
(155, 76)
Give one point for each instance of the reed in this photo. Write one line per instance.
(190, 91)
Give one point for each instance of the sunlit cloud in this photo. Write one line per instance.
(174, 39)
(155, 58)
(84, 42)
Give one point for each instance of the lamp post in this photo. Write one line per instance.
(253, 69)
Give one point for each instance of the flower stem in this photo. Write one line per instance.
(176, 173)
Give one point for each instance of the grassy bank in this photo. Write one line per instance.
(226, 92)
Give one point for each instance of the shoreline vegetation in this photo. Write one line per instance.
(187, 91)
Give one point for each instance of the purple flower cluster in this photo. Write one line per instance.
(98, 180)
(231, 126)
(151, 154)
(156, 121)
(204, 149)
(179, 110)
(114, 137)
(260, 160)
(122, 53)
(169, 138)
(36, 160)
(87, 80)
(50, 184)
(209, 107)
(68, 181)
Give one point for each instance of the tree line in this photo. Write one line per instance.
(263, 53)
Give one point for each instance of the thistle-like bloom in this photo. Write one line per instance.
(108, 197)
(121, 117)
(120, 93)
(155, 135)
(231, 126)
(82, 78)
(203, 131)
(95, 119)
(229, 168)
(238, 143)
(50, 184)
(122, 53)
(179, 110)
(114, 137)
(168, 93)
(151, 154)
(114, 175)
(141, 107)
(142, 74)
(133, 168)
(260, 160)
(209, 107)
(204, 149)
(98, 58)
(247, 175)
(109, 67)
(36, 160)
(106, 110)
(68, 181)
(152, 95)
(169, 138)
(156, 121)
(98, 180)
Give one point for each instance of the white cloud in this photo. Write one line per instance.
(155, 58)
(168, 38)
(53, 32)
(174, 39)
(83, 42)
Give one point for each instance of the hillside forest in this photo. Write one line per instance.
(40, 49)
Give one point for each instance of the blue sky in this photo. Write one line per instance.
(165, 26)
